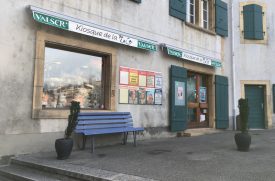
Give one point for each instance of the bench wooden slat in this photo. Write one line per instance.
(103, 113)
(104, 117)
(106, 131)
(104, 121)
(100, 126)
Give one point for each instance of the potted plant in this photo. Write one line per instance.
(64, 146)
(243, 139)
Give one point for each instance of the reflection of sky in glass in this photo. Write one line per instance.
(64, 67)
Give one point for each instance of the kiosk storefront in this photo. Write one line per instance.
(195, 93)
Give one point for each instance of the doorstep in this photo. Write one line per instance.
(198, 132)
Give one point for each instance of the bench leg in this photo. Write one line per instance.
(83, 142)
(93, 144)
(125, 135)
(135, 137)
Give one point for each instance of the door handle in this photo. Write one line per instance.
(262, 105)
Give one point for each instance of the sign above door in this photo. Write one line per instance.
(191, 56)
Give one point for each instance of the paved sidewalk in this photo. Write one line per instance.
(202, 158)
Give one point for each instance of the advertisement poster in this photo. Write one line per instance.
(202, 94)
(133, 77)
(150, 96)
(150, 79)
(123, 95)
(142, 78)
(179, 93)
(140, 86)
(158, 96)
(142, 96)
(123, 75)
(133, 96)
(158, 80)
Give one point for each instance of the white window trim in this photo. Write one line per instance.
(202, 14)
(188, 15)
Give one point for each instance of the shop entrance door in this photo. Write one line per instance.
(197, 100)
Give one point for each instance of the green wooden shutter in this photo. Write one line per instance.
(253, 22)
(221, 18)
(138, 1)
(221, 102)
(177, 8)
(178, 101)
(273, 93)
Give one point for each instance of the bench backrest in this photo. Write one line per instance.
(103, 120)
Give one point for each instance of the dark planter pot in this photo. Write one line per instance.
(63, 148)
(243, 141)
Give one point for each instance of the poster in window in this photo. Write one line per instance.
(158, 80)
(142, 96)
(133, 77)
(150, 79)
(150, 96)
(158, 96)
(202, 94)
(142, 78)
(123, 95)
(179, 93)
(133, 96)
(123, 75)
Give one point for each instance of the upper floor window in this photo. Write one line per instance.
(205, 14)
(192, 16)
(202, 13)
(252, 22)
(191, 11)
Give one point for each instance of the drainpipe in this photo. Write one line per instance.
(233, 67)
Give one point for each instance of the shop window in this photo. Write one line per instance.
(70, 75)
(68, 68)
(253, 22)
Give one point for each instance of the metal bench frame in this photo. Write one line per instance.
(98, 123)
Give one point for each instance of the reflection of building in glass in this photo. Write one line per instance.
(72, 80)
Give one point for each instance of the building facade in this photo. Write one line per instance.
(252, 62)
(168, 63)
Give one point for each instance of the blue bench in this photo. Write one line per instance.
(96, 123)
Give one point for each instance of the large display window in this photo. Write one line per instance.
(70, 75)
(70, 68)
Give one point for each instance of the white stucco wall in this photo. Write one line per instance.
(148, 19)
(254, 61)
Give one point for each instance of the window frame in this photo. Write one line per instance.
(188, 11)
(198, 18)
(104, 60)
(248, 41)
(72, 42)
(207, 14)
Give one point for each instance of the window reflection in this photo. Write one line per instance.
(72, 76)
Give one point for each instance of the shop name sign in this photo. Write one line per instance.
(93, 32)
(193, 57)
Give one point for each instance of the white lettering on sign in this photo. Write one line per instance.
(95, 32)
(196, 58)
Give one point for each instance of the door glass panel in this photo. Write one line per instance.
(191, 96)
(191, 88)
(197, 100)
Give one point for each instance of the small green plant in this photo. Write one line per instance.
(244, 109)
(72, 118)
